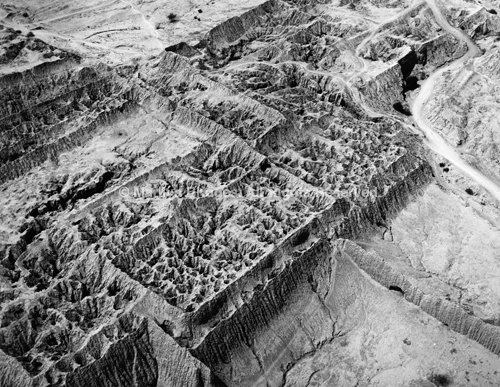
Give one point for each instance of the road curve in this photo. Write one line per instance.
(433, 140)
(437, 143)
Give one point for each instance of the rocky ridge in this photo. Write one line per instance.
(181, 207)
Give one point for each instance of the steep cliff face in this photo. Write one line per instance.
(379, 339)
(311, 308)
(210, 224)
(290, 301)
(91, 326)
(172, 222)
(118, 31)
(155, 357)
(47, 112)
(406, 53)
(449, 313)
(479, 22)
(464, 109)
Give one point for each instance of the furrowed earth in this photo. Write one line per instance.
(264, 193)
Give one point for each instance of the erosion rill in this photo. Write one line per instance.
(226, 212)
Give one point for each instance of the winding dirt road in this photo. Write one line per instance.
(433, 140)
(437, 143)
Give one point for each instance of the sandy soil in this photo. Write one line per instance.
(117, 31)
(385, 341)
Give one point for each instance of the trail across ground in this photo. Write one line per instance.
(437, 143)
